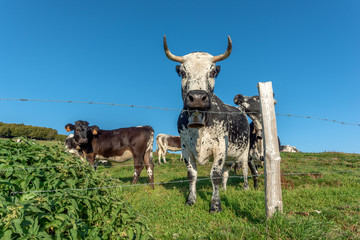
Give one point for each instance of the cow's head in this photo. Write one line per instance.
(249, 104)
(82, 131)
(198, 72)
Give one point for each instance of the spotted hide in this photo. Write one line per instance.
(209, 129)
(96, 143)
(251, 105)
(166, 143)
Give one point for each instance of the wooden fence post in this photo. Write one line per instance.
(273, 195)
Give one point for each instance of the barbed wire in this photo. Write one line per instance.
(324, 119)
(172, 182)
(166, 109)
(85, 165)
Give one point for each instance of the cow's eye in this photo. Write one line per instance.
(213, 73)
(182, 74)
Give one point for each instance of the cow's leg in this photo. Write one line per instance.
(164, 155)
(149, 167)
(225, 175)
(91, 159)
(139, 165)
(216, 175)
(159, 155)
(192, 176)
(254, 172)
(245, 168)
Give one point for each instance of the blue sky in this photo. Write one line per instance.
(112, 52)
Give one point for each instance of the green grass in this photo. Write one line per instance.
(316, 206)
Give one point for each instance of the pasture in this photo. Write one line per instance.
(321, 199)
(316, 206)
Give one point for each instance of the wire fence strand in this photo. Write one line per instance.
(172, 182)
(166, 109)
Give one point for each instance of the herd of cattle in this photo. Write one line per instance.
(208, 128)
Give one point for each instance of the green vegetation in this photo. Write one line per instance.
(321, 202)
(64, 210)
(11, 130)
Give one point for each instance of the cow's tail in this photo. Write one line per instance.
(150, 146)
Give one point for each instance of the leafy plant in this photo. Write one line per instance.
(46, 193)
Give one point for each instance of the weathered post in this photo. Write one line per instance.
(273, 196)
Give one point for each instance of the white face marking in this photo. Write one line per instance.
(197, 67)
(70, 136)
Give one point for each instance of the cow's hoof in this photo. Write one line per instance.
(215, 209)
(215, 206)
(190, 202)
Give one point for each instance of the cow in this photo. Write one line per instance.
(288, 149)
(72, 148)
(251, 105)
(209, 129)
(166, 143)
(97, 143)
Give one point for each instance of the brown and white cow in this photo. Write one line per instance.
(166, 143)
(209, 129)
(96, 144)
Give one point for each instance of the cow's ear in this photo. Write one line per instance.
(69, 127)
(217, 70)
(177, 68)
(94, 129)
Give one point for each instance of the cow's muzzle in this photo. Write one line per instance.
(197, 100)
(83, 141)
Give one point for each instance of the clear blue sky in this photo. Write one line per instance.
(112, 52)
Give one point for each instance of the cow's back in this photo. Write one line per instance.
(115, 142)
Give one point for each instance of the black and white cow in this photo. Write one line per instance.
(209, 129)
(164, 143)
(251, 105)
(73, 148)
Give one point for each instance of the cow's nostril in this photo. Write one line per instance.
(191, 98)
(204, 98)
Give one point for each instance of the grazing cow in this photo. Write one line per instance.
(166, 143)
(251, 105)
(288, 149)
(209, 129)
(96, 143)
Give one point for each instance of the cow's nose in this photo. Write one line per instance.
(197, 99)
(82, 141)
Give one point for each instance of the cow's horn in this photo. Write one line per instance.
(169, 54)
(225, 54)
